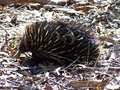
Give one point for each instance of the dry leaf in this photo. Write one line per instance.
(91, 84)
(48, 87)
(1, 7)
(91, 1)
(84, 9)
(1, 72)
(26, 74)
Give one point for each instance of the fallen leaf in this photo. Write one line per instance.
(91, 84)
(48, 87)
(1, 7)
(1, 72)
(84, 8)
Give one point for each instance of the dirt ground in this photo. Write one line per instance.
(103, 18)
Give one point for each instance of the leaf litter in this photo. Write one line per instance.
(106, 25)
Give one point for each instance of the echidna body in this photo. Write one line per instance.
(58, 42)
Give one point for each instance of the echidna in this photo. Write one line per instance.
(58, 42)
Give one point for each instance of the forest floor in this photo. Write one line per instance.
(105, 75)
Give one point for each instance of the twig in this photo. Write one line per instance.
(72, 63)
